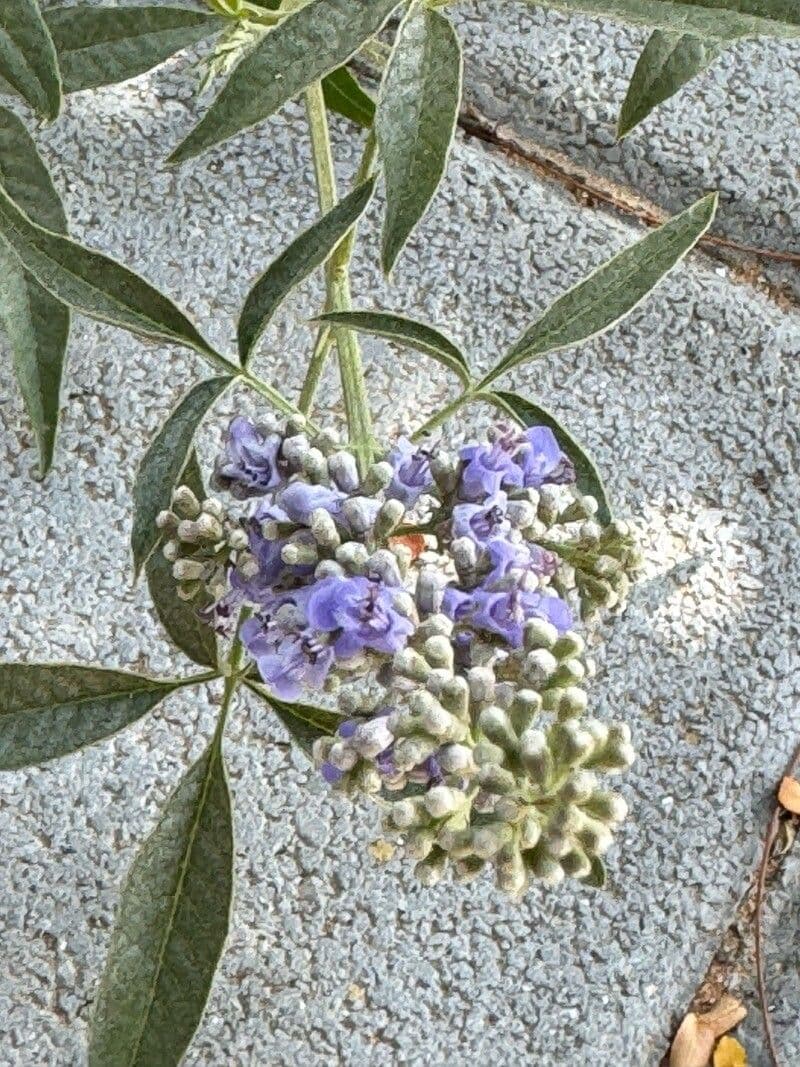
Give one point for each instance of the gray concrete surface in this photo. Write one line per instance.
(561, 80)
(692, 410)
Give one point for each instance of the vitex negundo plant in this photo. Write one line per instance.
(412, 615)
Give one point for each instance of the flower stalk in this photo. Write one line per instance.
(337, 279)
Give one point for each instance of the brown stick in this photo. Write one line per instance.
(769, 842)
(590, 187)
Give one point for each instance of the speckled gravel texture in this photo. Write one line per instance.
(560, 80)
(692, 410)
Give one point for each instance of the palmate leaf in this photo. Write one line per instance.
(305, 722)
(405, 331)
(415, 121)
(305, 46)
(170, 928)
(93, 283)
(105, 45)
(713, 20)
(304, 254)
(612, 291)
(180, 618)
(344, 95)
(165, 461)
(28, 62)
(37, 323)
(668, 62)
(51, 709)
(527, 413)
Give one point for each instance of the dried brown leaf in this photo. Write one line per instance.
(694, 1041)
(729, 1053)
(789, 795)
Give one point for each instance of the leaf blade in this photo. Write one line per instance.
(308, 251)
(49, 710)
(180, 618)
(344, 94)
(603, 298)
(405, 331)
(527, 413)
(305, 722)
(95, 284)
(164, 463)
(28, 61)
(36, 323)
(105, 46)
(668, 62)
(307, 45)
(725, 20)
(159, 971)
(415, 122)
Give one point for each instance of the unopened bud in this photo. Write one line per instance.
(344, 471)
(185, 503)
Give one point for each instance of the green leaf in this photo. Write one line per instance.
(93, 283)
(105, 45)
(613, 290)
(344, 95)
(527, 413)
(308, 44)
(170, 928)
(36, 323)
(303, 255)
(50, 709)
(404, 331)
(713, 20)
(415, 121)
(181, 618)
(668, 61)
(28, 60)
(305, 722)
(597, 876)
(165, 461)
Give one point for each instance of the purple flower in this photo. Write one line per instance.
(505, 612)
(487, 468)
(504, 557)
(299, 499)
(412, 472)
(249, 465)
(360, 613)
(482, 522)
(331, 774)
(288, 660)
(541, 459)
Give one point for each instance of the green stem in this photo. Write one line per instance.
(337, 278)
(325, 339)
(442, 416)
(233, 675)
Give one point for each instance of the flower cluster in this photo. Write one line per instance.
(443, 590)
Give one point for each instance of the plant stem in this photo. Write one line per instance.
(337, 278)
(233, 675)
(325, 339)
(442, 416)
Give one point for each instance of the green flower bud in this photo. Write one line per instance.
(495, 724)
(438, 651)
(431, 870)
(576, 864)
(573, 702)
(569, 646)
(441, 800)
(188, 570)
(378, 478)
(390, 516)
(538, 633)
(488, 840)
(167, 520)
(324, 530)
(184, 503)
(481, 684)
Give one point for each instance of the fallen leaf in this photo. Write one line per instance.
(729, 1053)
(789, 795)
(382, 850)
(415, 543)
(726, 1013)
(693, 1044)
(694, 1041)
